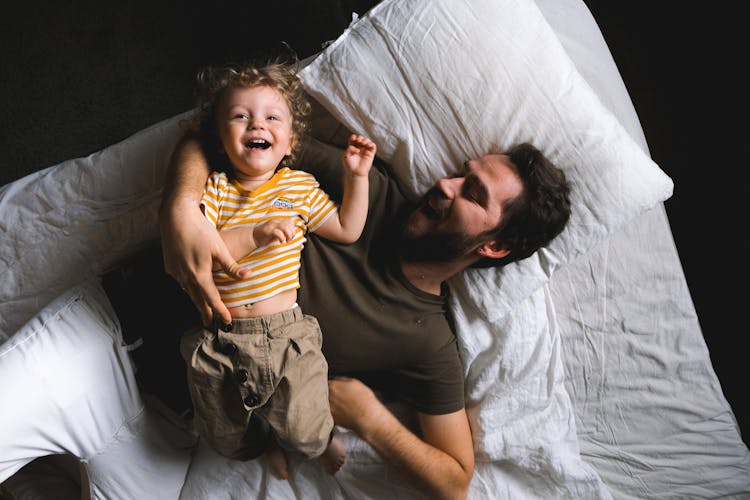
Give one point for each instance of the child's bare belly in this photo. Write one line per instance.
(277, 303)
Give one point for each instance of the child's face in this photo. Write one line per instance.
(255, 128)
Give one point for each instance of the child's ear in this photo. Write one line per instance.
(493, 249)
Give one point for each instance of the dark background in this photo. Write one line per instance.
(79, 76)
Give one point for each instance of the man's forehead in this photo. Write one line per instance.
(497, 171)
(495, 159)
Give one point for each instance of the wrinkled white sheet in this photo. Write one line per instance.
(650, 413)
(638, 371)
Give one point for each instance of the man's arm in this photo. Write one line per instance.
(190, 243)
(442, 462)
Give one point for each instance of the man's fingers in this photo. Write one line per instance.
(211, 297)
(229, 265)
(196, 296)
(208, 302)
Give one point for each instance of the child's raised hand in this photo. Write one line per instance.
(359, 155)
(281, 230)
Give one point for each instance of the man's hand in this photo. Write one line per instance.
(190, 245)
(353, 404)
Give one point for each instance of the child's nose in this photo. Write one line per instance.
(256, 123)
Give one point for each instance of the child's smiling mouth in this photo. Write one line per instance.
(258, 144)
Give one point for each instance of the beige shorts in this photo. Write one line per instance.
(271, 365)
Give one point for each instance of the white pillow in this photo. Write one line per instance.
(68, 385)
(435, 82)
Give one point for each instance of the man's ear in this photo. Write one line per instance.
(492, 249)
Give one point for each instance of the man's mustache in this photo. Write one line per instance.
(433, 204)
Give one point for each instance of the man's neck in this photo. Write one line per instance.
(429, 276)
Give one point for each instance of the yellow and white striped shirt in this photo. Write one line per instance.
(275, 267)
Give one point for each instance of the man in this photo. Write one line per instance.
(381, 302)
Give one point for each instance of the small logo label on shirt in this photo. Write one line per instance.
(282, 203)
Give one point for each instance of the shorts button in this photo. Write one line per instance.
(251, 399)
(241, 375)
(229, 348)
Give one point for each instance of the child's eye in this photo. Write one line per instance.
(273, 117)
(241, 116)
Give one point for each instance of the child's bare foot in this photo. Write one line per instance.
(276, 457)
(334, 456)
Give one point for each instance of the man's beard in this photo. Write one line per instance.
(432, 246)
(437, 246)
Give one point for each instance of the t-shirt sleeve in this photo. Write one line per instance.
(321, 208)
(436, 384)
(210, 199)
(429, 373)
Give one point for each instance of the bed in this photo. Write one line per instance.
(587, 375)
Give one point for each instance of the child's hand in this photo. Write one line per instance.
(281, 230)
(359, 154)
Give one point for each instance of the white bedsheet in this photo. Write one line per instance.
(650, 413)
(637, 368)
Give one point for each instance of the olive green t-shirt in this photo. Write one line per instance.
(377, 326)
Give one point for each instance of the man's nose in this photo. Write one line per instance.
(450, 186)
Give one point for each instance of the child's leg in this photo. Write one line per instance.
(219, 419)
(298, 411)
(333, 458)
(277, 460)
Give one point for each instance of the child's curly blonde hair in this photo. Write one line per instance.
(212, 82)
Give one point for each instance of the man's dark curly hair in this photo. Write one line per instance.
(212, 82)
(535, 217)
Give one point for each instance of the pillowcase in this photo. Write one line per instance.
(436, 82)
(68, 386)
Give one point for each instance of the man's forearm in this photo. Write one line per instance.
(191, 244)
(431, 468)
(186, 174)
(441, 462)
